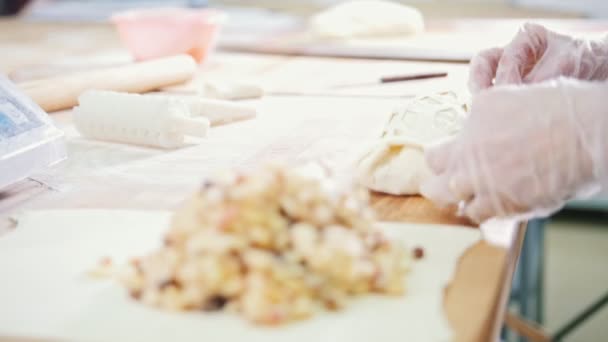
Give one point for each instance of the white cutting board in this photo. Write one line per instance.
(46, 293)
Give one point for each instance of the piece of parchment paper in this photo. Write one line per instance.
(46, 291)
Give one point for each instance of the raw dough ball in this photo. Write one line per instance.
(396, 164)
(365, 18)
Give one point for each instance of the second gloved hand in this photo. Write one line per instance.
(537, 54)
(524, 149)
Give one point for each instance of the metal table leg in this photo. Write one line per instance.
(528, 282)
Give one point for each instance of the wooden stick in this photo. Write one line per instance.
(62, 92)
(394, 79)
(526, 329)
(401, 78)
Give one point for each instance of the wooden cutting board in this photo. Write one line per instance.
(471, 290)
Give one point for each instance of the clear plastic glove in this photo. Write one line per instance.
(524, 149)
(537, 54)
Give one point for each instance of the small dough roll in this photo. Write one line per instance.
(367, 18)
(396, 164)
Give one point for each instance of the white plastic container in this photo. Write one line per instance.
(29, 142)
(157, 121)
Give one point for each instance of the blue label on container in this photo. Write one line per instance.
(15, 118)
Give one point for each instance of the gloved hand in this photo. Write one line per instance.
(524, 149)
(537, 54)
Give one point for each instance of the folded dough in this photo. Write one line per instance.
(396, 163)
(365, 18)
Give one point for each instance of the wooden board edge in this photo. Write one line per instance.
(471, 291)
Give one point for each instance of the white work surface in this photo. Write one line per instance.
(287, 130)
(47, 293)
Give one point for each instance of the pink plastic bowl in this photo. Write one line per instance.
(160, 32)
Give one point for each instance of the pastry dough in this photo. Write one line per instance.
(396, 163)
(366, 18)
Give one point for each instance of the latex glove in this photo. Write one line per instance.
(524, 149)
(537, 54)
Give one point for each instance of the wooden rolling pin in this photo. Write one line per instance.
(62, 92)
